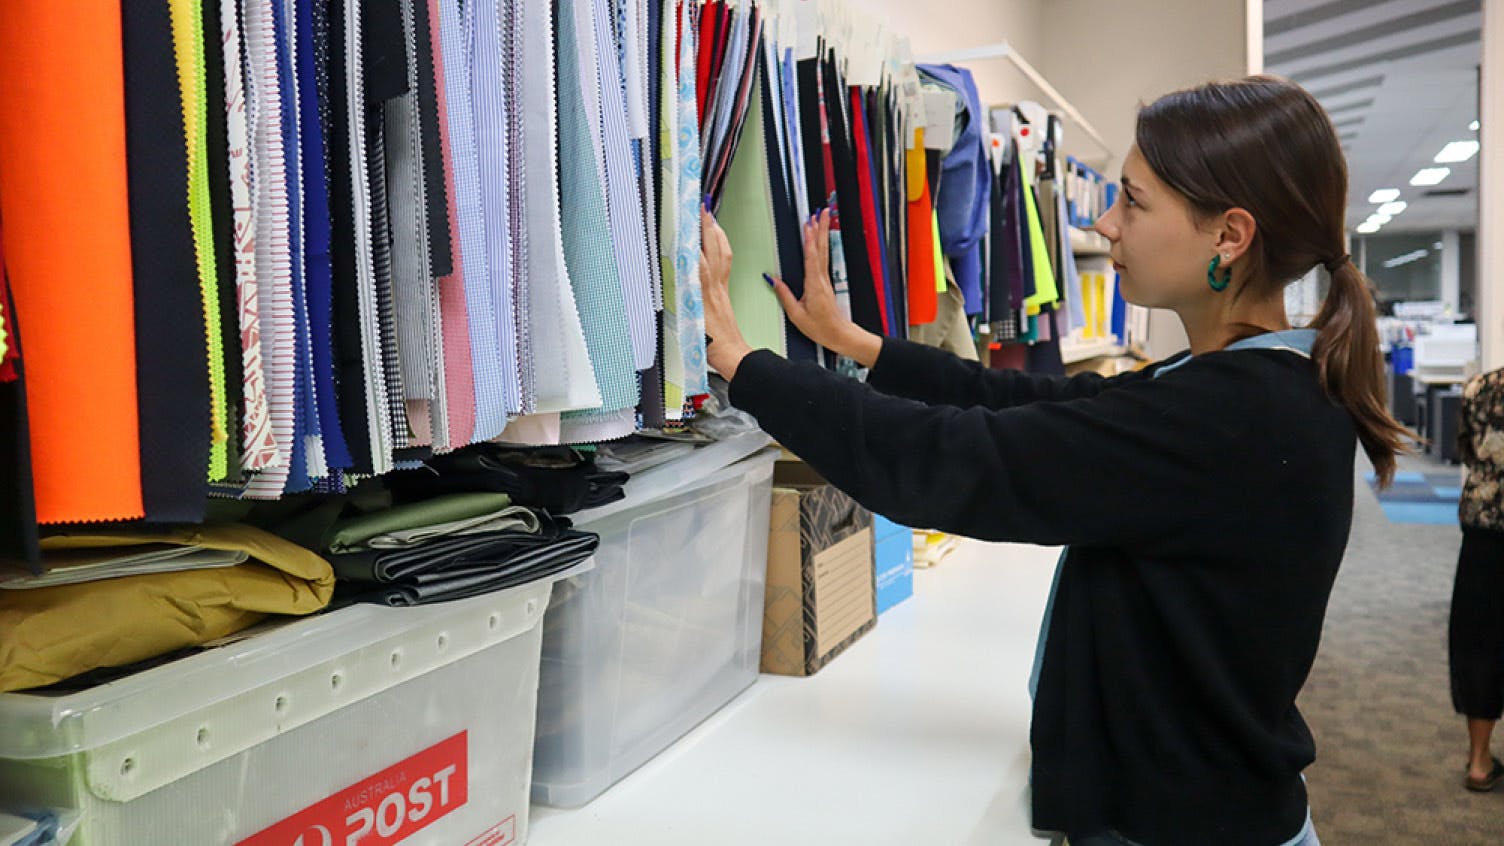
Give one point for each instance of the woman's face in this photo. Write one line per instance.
(1158, 249)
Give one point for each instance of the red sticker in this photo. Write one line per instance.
(384, 809)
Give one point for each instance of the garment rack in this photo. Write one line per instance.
(1004, 50)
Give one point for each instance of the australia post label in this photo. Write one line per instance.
(385, 808)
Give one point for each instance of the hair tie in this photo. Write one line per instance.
(1336, 264)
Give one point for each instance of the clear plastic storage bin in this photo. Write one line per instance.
(665, 630)
(365, 725)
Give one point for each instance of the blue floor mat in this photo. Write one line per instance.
(1429, 498)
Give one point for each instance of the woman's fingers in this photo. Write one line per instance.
(786, 298)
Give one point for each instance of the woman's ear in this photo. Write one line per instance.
(1235, 232)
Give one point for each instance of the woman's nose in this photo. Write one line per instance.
(1107, 224)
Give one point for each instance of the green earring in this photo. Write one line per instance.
(1218, 285)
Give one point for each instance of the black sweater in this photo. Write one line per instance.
(1206, 512)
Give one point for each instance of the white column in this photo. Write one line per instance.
(1490, 301)
(1451, 271)
(1254, 24)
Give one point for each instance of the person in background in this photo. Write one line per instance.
(1475, 638)
(1205, 501)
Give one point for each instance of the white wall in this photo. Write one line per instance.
(1490, 302)
(935, 26)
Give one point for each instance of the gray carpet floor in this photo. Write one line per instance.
(1390, 751)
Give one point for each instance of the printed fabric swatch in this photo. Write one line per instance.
(64, 194)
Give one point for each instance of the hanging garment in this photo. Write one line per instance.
(140, 617)
(965, 183)
(172, 381)
(458, 36)
(493, 146)
(64, 192)
(561, 363)
(1043, 275)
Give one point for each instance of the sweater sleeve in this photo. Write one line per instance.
(1124, 466)
(937, 377)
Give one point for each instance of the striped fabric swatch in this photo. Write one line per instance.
(564, 380)
(459, 380)
(491, 102)
(589, 256)
(623, 197)
(457, 30)
(258, 444)
(273, 248)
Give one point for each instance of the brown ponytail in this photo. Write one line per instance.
(1351, 367)
(1264, 144)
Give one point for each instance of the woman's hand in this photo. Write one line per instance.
(726, 347)
(818, 315)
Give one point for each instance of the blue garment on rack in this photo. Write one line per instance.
(962, 203)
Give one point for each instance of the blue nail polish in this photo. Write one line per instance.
(707, 202)
(769, 280)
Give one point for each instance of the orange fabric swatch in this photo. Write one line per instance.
(63, 196)
(924, 302)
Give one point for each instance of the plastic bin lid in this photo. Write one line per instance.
(670, 478)
(42, 725)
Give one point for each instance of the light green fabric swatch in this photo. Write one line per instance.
(746, 213)
(188, 42)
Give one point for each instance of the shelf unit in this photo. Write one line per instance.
(1073, 351)
(1084, 243)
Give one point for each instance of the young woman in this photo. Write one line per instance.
(1205, 501)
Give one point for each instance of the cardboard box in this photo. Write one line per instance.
(821, 589)
(894, 562)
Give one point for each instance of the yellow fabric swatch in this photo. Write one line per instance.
(1045, 289)
(188, 43)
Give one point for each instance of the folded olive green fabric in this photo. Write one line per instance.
(54, 633)
(356, 532)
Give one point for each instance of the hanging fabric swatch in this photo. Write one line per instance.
(565, 381)
(514, 83)
(64, 193)
(414, 292)
(171, 346)
(457, 29)
(18, 535)
(923, 303)
(867, 206)
(623, 198)
(188, 45)
(318, 235)
(307, 446)
(852, 258)
(491, 99)
(747, 217)
(588, 249)
(684, 372)
(273, 244)
(787, 224)
(222, 213)
(1043, 275)
(258, 446)
(459, 381)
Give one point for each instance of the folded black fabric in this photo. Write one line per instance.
(559, 481)
(463, 566)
